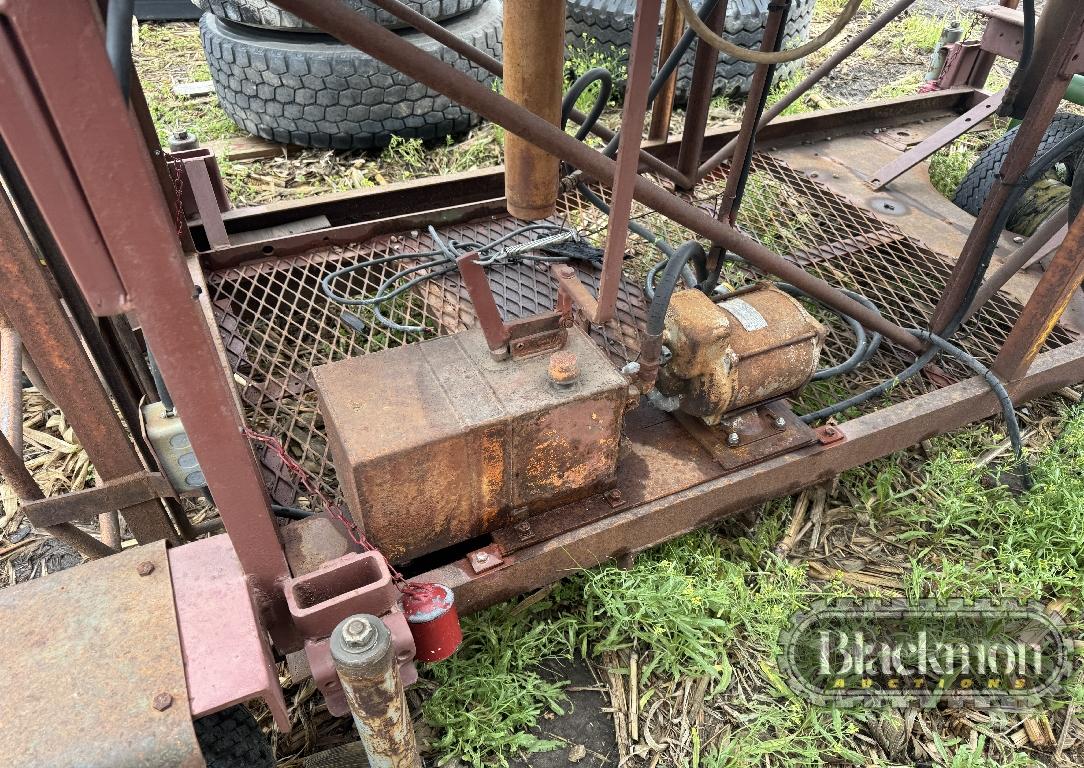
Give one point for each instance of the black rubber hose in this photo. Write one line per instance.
(656, 311)
(291, 513)
(159, 383)
(599, 75)
(1027, 47)
(118, 42)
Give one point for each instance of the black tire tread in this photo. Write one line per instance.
(263, 13)
(976, 184)
(609, 23)
(314, 91)
(232, 739)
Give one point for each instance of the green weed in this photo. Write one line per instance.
(916, 34)
(586, 56)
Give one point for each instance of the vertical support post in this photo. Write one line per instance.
(661, 110)
(364, 659)
(1045, 307)
(97, 135)
(534, 57)
(700, 92)
(1055, 77)
(628, 154)
(754, 108)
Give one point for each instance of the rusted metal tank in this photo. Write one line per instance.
(757, 345)
(438, 442)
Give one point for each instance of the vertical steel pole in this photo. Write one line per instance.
(662, 109)
(369, 672)
(534, 59)
(1045, 307)
(700, 93)
(628, 154)
(759, 86)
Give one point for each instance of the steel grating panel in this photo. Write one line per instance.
(276, 325)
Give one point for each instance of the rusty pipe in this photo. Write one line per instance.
(365, 662)
(368, 36)
(494, 67)
(534, 32)
(814, 77)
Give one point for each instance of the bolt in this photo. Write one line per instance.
(146, 568)
(359, 635)
(733, 439)
(564, 368)
(162, 701)
(1018, 239)
(181, 135)
(566, 272)
(830, 431)
(482, 557)
(780, 423)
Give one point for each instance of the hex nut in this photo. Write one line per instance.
(146, 568)
(162, 701)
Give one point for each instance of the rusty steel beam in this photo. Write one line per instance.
(534, 60)
(638, 527)
(35, 312)
(99, 136)
(645, 30)
(385, 45)
(662, 109)
(1059, 69)
(1048, 301)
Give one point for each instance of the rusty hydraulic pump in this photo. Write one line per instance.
(757, 345)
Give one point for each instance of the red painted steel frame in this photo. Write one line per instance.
(92, 138)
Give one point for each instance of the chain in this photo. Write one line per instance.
(311, 487)
(176, 174)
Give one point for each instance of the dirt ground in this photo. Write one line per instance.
(832, 535)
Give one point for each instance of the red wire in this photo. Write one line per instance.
(313, 489)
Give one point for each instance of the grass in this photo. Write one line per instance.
(711, 605)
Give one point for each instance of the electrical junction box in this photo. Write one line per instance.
(169, 441)
(436, 443)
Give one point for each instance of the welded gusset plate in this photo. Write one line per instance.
(92, 670)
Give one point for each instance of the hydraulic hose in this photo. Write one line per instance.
(761, 57)
(118, 42)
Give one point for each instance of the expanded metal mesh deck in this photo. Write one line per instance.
(277, 325)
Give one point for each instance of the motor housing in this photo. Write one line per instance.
(757, 344)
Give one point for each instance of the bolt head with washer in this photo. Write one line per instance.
(564, 368)
(359, 635)
(733, 439)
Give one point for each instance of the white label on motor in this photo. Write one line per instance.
(747, 315)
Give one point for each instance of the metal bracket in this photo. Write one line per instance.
(84, 506)
(517, 339)
(203, 193)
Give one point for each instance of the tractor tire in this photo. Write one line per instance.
(976, 184)
(232, 739)
(602, 29)
(263, 13)
(313, 91)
